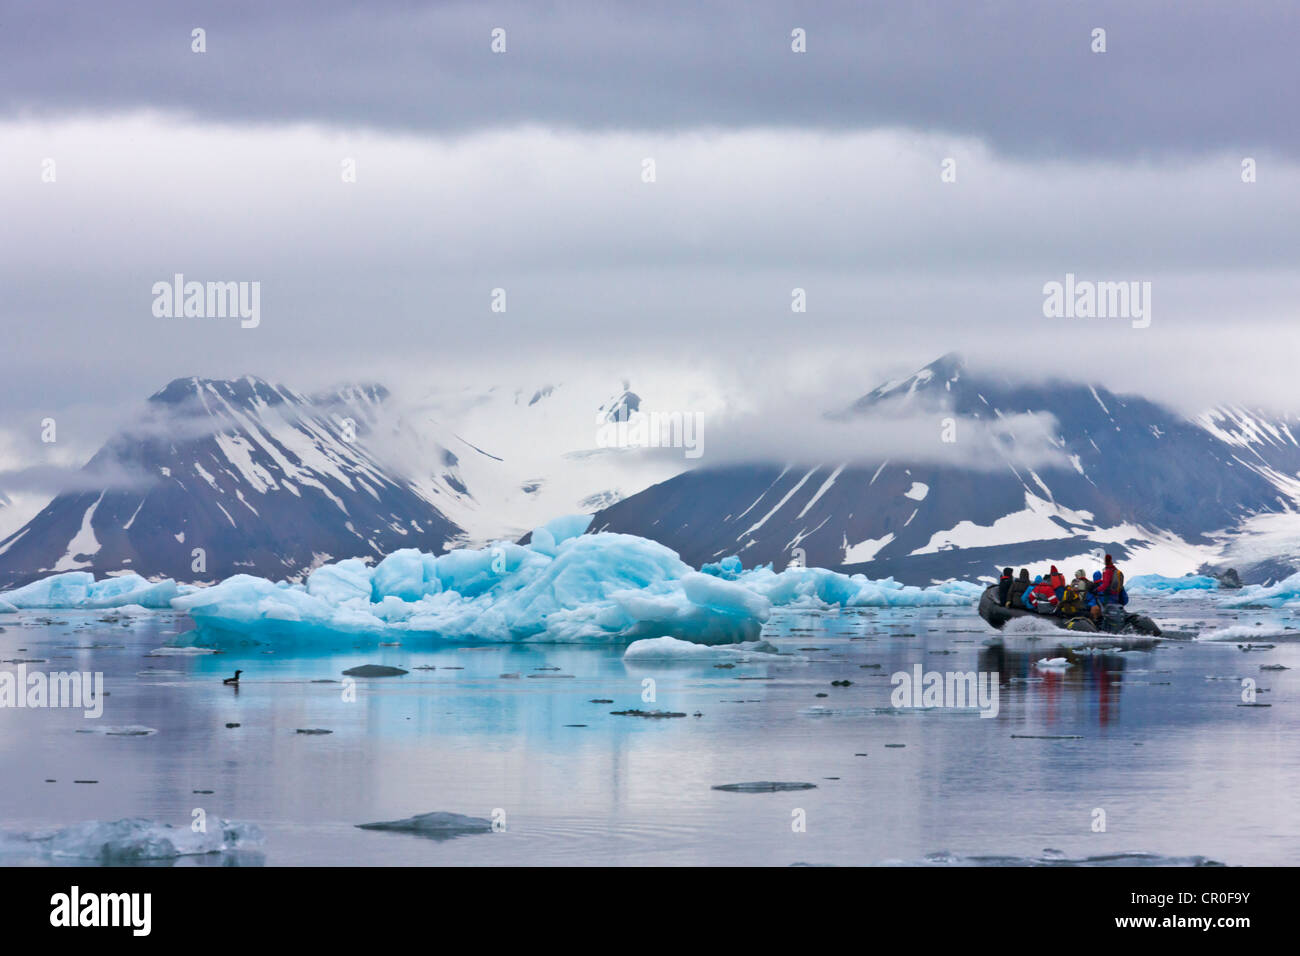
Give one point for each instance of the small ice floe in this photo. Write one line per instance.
(169, 651)
(1273, 667)
(765, 786)
(1051, 857)
(1249, 633)
(651, 714)
(1055, 663)
(374, 670)
(816, 710)
(437, 825)
(670, 649)
(128, 730)
(125, 611)
(1256, 647)
(130, 840)
(1046, 736)
(313, 731)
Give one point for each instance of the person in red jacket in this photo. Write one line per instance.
(1041, 597)
(1057, 580)
(1109, 588)
(1107, 576)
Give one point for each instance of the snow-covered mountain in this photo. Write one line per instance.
(219, 477)
(272, 481)
(500, 461)
(1164, 492)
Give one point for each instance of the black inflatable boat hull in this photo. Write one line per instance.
(998, 616)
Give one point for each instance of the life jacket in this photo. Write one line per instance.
(1071, 601)
(1057, 579)
(1116, 583)
(1043, 592)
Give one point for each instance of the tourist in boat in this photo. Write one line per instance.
(1042, 596)
(1004, 586)
(1057, 580)
(1074, 599)
(1016, 594)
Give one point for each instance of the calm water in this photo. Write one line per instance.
(1178, 768)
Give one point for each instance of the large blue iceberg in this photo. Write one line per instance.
(564, 586)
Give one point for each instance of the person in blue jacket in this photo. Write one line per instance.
(1096, 597)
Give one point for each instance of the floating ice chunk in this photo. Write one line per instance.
(58, 590)
(130, 610)
(1285, 593)
(132, 840)
(129, 730)
(1159, 584)
(437, 825)
(821, 587)
(1051, 857)
(1243, 632)
(601, 587)
(375, 670)
(79, 589)
(671, 649)
(765, 786)
(1055, 663)
(565, 586)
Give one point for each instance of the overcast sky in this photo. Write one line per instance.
(523, 171)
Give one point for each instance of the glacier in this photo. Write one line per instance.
(563, 586)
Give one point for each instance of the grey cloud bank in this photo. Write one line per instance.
(775, 171)
(1175, 77)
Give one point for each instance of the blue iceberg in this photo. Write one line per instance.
(1285, 593)
(564, 586)
(79, 589)
(1159, 584)
(820, 587)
